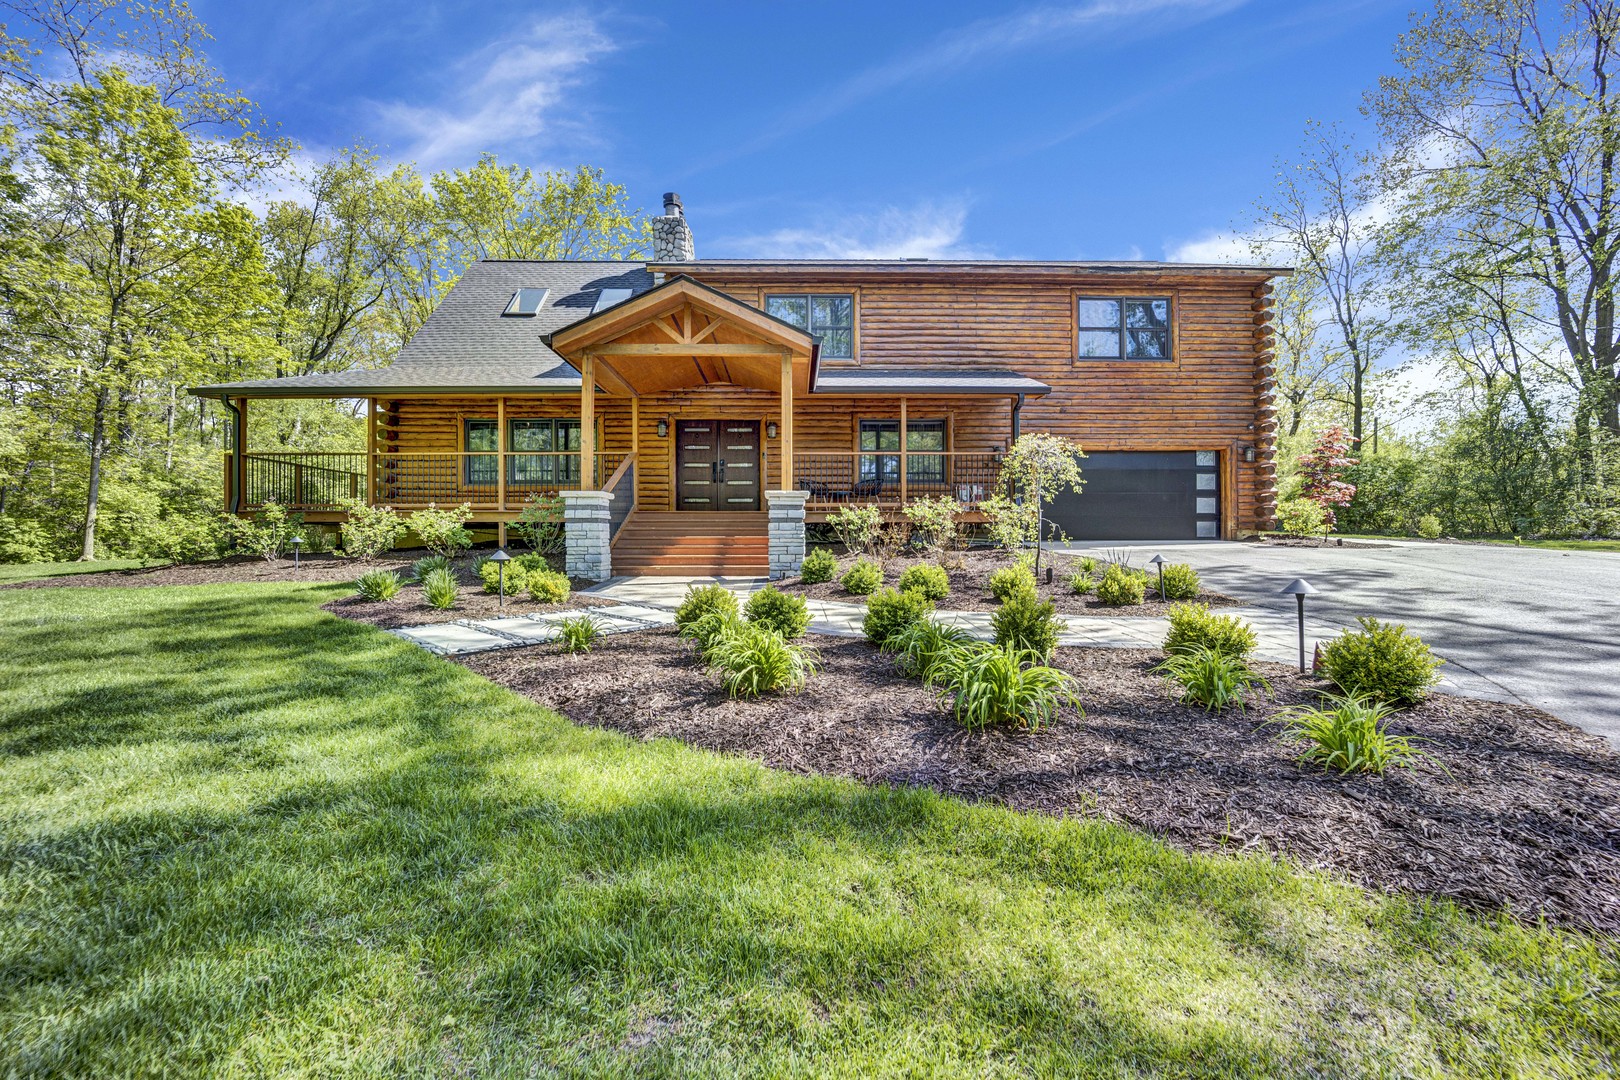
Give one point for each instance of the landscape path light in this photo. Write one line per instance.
(500, 559)
(297, 545)
(1299, 589)
(1158, 561)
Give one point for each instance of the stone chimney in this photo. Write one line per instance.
(672, 237)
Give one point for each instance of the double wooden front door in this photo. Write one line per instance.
(717, 465)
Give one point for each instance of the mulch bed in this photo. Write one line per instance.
(1524, 816)
(237, 568)
(969, 573)
(409, 608)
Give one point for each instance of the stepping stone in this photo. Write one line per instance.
(519, 630)
(452, 639)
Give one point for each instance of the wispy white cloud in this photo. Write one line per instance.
(1218, 246)
(930, 230)
(504, 96)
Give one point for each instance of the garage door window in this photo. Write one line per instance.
(1111, 328)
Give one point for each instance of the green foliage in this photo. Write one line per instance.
(858, 528)
(930, 580)
(1180, 582)
(1121, 587)
(862, 578)
(1027, 624)
(1043, 463)
(442, 531)
(890, 611)
(1088, 565)
(922, 645)
(439, 588)
(516, 577)
(547, 586)
(1429, 527)
(577, 634)
(933, 521)
(1082, 582)
(990, 686)
(184, 539)
(266, 534)
(1212, 679)
(1301, 517)
(369, 530)
(1194, 627)
(426, 565)
(703, 600)
(1349, 735)
(23, 541)
(1010, 581)
(788, 615)
(1382, 661)
(1009, 524)
(819, 565)
(378, 585)
(540, 523)
(753, 659)
(706, 630)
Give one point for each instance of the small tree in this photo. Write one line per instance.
(1321, 470)
(1039, 467)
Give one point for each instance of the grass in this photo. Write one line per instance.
(239, 836)
(10, 573)
(1499, 541)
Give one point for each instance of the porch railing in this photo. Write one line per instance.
(301, 481)
(623, 486)
(841, 478)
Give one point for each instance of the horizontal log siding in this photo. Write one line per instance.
(1210, 396)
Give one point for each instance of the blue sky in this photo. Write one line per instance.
(1098, 129)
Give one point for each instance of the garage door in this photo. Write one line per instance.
(1139, 495)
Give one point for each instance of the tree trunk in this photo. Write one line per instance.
(98, 447)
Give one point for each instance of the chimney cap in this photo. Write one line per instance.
(672, 203)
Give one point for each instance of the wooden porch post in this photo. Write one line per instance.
(239, 440)
(371, 451)
(587, 423)
(786, 447)
(635, 428)
(904, 443)
(500, 459)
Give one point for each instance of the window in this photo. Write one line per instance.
(830, 316)
(609, 297)
(541, 453)
(482, 470)
(1123, 329)
(883, 466)
(525, 302)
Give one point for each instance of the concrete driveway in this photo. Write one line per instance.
(1540, 627)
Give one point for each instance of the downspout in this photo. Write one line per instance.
(237, 438)
(1018, 407)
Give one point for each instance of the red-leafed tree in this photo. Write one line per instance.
(1321, 470)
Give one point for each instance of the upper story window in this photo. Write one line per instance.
(1111, 328)
(525, 302)
(830, 316)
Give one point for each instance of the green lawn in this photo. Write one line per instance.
(241, 837)
(1505, 541)
(14, 572)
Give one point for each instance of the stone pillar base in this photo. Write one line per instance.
(786, 531)
(585, 534)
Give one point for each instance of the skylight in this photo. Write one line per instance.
(608, 297)
(525, 302)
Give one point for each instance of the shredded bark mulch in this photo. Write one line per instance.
(969, 573)
(1517, 811)
(409, 608)
(237, 568)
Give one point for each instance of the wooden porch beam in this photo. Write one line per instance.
(606, 375)
(702, 349)
(500, 459)
(904, 443)
(371, 451)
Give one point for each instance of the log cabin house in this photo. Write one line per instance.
(695, 414)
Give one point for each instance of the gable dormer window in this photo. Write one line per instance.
(525, 302)
(1122, 328)
(829, 316)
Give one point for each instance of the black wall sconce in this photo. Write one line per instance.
(663, 429)
(1250, 454)
(771, 429)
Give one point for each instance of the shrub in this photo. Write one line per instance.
(921, 646)
(857, 527)
(442, 531)
(988, 686)
(862, 578)
(775, 610)
(701, 600)
(424, 566)
(547, 586)
(1213, 680)
(707, 630)
(439, 588)
(266, 534)
(369, 530)
(1429, 527)
(1194, 626)
(23, 540)
(930, 580)
(578, 634)
(1027, 624)
(489, 572)
(378, 585)
(933, 521)
(1010, 525)
(179, 538)
(820, 565)
(1301, 517)
(1088, 565)
(1348, 734)
(1120, 587)
(1180, 582)
(754, 660)
(1009, 581)
(1082, 582)
(890, 611)
(1383, 661)
(540, 523)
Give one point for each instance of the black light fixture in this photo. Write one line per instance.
(771, 429)
(297, 542)
(1250, 454)
(1158, 561)
(500, 559)
(1299, 589)
(663, 429)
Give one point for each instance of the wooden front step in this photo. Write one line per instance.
(693, 544)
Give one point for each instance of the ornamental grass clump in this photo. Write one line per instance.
(1121, 587)
(930, 580)
(422, 567)
(754, 660)
(1027, 624)
(819, 566)
(1180, 582)
(439, 589)
(1194, 626)
(578, 634)
(707, 630)
(776, 610)
(1212, 680)
(548, 586)
(704, 600)
(890, 611)
(863, 578)
(1010, 581)
(1349, 735)
(1082, 582)
(920, 647)
(991, 686)
(378, 585)
(1382, 661)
